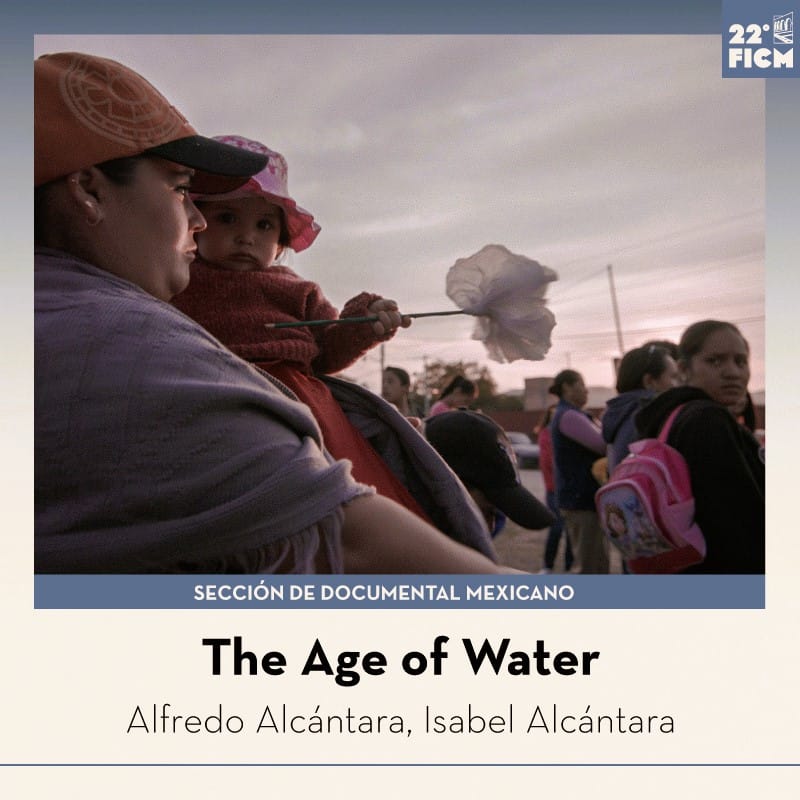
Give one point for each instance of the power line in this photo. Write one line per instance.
(700, 227)
(610, 254)
(643, 331)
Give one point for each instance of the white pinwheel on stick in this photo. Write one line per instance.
(506, 294)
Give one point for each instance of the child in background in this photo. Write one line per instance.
(459, 393)
(237, 288)
(395, 389)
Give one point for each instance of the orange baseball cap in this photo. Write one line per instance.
(88, 110)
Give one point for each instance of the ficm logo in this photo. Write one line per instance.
(756, 42)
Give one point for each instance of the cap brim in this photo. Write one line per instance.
(218, 167)
(520, 506)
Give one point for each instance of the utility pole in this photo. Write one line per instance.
(616, 310)
(426, 403)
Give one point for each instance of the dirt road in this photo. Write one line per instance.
(524, 549)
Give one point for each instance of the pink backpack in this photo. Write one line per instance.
(647, 508)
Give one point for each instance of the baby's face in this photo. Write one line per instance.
(242, 234)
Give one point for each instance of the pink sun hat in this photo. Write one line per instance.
(272, 183)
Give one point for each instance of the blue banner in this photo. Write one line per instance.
(411, 591)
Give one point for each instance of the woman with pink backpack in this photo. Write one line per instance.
(725, 467)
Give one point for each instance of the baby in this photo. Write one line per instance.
(237, 288)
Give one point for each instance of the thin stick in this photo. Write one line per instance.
(314, 322)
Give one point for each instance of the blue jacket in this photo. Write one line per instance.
(619, 428)
(575, 484)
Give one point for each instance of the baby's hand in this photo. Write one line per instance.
(389, 318)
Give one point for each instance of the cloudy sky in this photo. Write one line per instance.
(577, 151)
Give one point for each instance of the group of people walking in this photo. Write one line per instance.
(706, 377)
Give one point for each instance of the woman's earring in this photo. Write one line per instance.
(93, 217)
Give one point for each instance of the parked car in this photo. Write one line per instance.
(527, 451)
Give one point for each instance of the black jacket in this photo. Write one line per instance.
(727, 477)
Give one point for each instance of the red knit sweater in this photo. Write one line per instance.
(234, 307)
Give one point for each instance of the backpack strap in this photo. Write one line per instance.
(662, 436)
